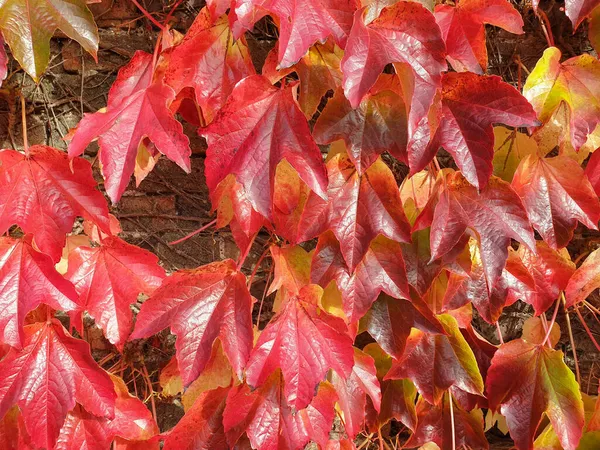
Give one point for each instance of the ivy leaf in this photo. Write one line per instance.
(496, 214)
(390, 320)
(463, 29)
(305, 343)
(210, 61)
(585, 280)
(463, 123)
(28, 279)
(200, 305)
(436, 423)
(574, 83)
(258, 127)
(556, 194)
(302, 23)
(318, 71)
(435, 363)
(28, 26)
(292, 269)
(578, 10)
(352, 392)
(381, 269)
(271, 423)
(47, 377)
(551, 271)
(138, 107)
(360, 207)
(378, 124)
(372, 46)
(202, 425)
(109, 279)
(525, 381)
(132, 421)
(40, 193)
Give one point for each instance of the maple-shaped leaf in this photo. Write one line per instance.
(28, 279)
(473, 287)
(378, 124)
(271, 423)
(259, 126)
(405, 33)
(556, 194)
(47, 377)
(525, 381)
(352, 392)
(550, 270)
(200, 305)
(381, 269)
(360, 207)
(584, 281)
(574, 83)
(108, 279)
(292, 269)
(305, 22)
(202, 425)
(132, 421)
(210, 61)
(138, 107)
(510, 148)
(318, 71)
(42, 192)
(13, 435)
(463, 28)
(470, 104)
(28, 26)
(592, 171)
(437, 362)
(390, 320)
(577, 10)
(437, 423)
(496, 214)
(305, 342)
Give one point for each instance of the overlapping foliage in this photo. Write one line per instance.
(353, 253)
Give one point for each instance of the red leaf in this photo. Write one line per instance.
(13, 435)
(438, 424)
(137, 107)
(406, 33)
(202, 425)
(305, 343)
(378, 124)
(200, 305)
(302, 23)
(28, 279)
(389, 322)
(381, 269)
(41, 194)
(551, 272)
(209, 60)
(83, 430)
(360, 208)
(470, 105)
(577, 10)
(108, 279)
(47, 377)
(258, 127)
(352, 392)
(271, 423)
(3, 60)
(556, 194)
(585, 280)
(496, 214)
(592, 171)
(526, 381)
(435, 363)
(463, 28)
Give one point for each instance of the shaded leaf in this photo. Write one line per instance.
(585, 280)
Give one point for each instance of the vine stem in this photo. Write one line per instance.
(452, 421)
(499, 333)
(244, 255)
(558, 302)
(194, 233)
(148, 15)
(577, 373)
(24, 125)
(546, 27)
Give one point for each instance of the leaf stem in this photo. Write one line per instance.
(587, 329)
(244, 255)
(194, 233)
(499, 333)
(577, 373)
(148, 15)
(549, 330)
(24, 124)
(452, 421)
